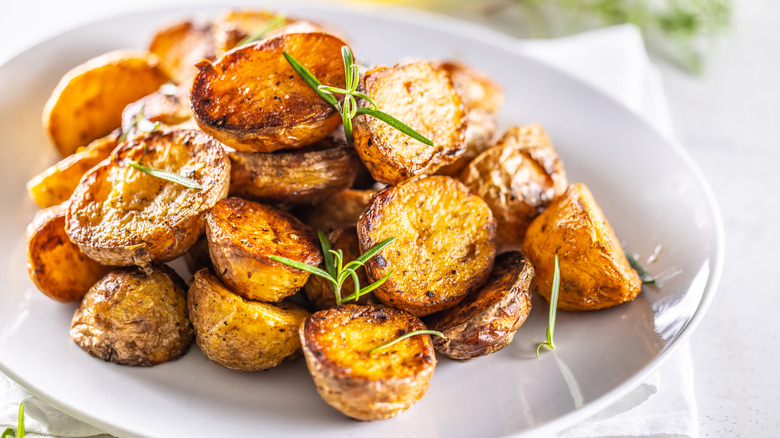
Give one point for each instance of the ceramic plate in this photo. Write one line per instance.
(649, 189)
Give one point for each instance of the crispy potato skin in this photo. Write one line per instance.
(421, 95)
(169, 110)
(339, 210)
(252, 100)
(518, 178)
(241, 334)
(88, 101)
(130, 318)
(595, 273)
(486, 321)
(54, 185)
(336, 344)
(57, 267)
(444, 247)
(121, 216)
(180, 46)
(243, 235)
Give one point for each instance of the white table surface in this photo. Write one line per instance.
(728, 118)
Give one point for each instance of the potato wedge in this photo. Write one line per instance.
(168, 109)
(179, 46)
(337, 343)
(243, 235)
(58, 267)
(88, 101)
(444, 245)
(301, 176)
(121, 216)
(241, 334)
(54, 185)
(252, 100)
(486, 321)
(130, 318)
(339, 210)
(595, 273)
(518, 178)
(421, 95)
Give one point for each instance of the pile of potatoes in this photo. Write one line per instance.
(477, 221)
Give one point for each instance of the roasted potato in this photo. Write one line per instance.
(244, 235)
(340, 210)
(301, 176)
(252, 100)
(367, 386)
(121, 216)
(170, 109)
(421, 95)
(595, 273)
(54, 185)
(88, 101)
(131, 318)
(241, 334)
(444, 245)
(320, 292)
(58, 267)
(518, 178)
(180, 46)
(197, 257)
(234, 26)
(486, 321)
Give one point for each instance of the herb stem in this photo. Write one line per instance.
(553, 309)
(408, 335)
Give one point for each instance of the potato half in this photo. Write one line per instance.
(339, 210)
(252, 100)
(595, 273)
(168, 109)
(421, 95)
(88, 101)
(337, 343)
(58, 267)
(241, 334)
(444, 245)
(121, 216)
(181, 45)
(131, 318)
(244, 235)
(486, 321)
(518, 178)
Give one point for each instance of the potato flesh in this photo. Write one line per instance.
(182, 45)
(167, 109)
(339, 210)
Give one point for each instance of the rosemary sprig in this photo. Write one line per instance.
(8, 433)
(163, 174)
(408, 335)
(643, 274)
(275, 23)
(350, 109)
(337, 272)
(141, 122)
(553, 309)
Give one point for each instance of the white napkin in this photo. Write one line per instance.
(615, 61)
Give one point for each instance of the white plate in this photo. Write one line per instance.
(649, 189)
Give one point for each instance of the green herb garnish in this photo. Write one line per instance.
(141, 122)
(163, 174)
(275, 23)
(8, 433)
(553, 309)
(350, 108)
(408, 335)
(643, 274)
(337, 272)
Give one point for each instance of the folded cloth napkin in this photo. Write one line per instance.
(613, 60)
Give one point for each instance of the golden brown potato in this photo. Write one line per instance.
(319, 291)
(57, 267)
(340, 210)
(168, 109)
(197, 257)
(252, 100)
(241, 334)
(244, 235)
(87, 103)
(518, 178)
(54, 185)
(421, 95)
(233, 26)
(121, 216)
(367, 386)
(131, 318)
(180, 46)
(301, 176)
(486, 321)
(444, 245)
(595, 273)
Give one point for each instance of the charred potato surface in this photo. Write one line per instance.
(243, 235)
(340, 210)
(486, 321)
(121, 216)
(252, 100)
(337, 343)
(180, 46)
(240, 334)
(444, 245)
(595, 273)
(131, 318)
